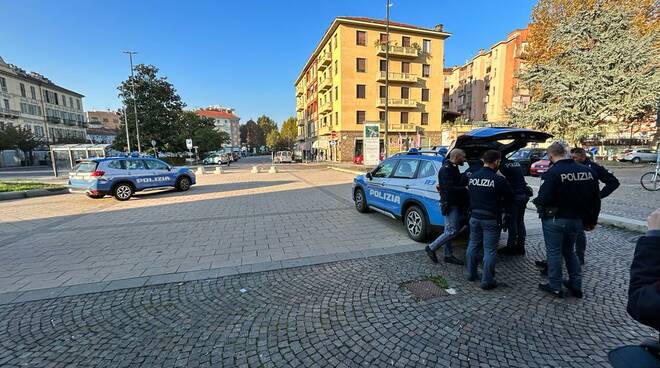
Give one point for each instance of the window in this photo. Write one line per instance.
(57, 100)
(404, 117)
(425, 94)
(383, 38)
(426, 70)
(335, 38)
(381, 116)
(117, 164)
(426, 169)
(383, 92)
(361, 91)
(336, 68)
(384, 170)
(6, 104)
(78, 104)
(33, 93)
(336, 93)
(383, 65)
(361, 38)
(3, 84)
(23, 90)
(405, 41)
(360, 116)
(426, 46)
(425, 118)
(336, 118)
(135, 165)
(361, 65)
(64, 101)
(405, 67)
(330, 118)
(406, 169)
(405, 92)
(38, 131)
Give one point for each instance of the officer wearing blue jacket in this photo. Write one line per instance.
(605, 177)
(515, 222)
(568, 202)
(490, 194)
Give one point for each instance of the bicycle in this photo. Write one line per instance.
(651, 180)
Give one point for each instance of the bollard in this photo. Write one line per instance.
(255, 170)
(218, 170)
(200, 170)
(272, 170)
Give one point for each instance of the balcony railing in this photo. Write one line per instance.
(325, 107)
(402, 51)
(300, 106)
(325, 59)
(9, 113)
(54, 119)
(325, 84)
(399, 127)
(398, 102)
(301, 122)
(299, 91)
(398, 77)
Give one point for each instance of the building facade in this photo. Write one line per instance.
(343, 85)
(225, 120)
(34, 102)
(486, 87)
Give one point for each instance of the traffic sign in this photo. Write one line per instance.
(189, 143)
(333, 135)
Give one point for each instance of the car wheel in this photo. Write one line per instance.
(415, 221)
(636, 160)
(96, 196)
(183, 184)
(360, 201)
(123, 192)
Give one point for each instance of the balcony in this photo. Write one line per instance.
(300, 106)
(299, 90)
(325, 107)
(485, 100)
(9, 113)
(301, 122)
(325, 84)
(398, 77)
(398, 102)
(300, 138)
(402, 128)
(325, 59)
(400, 51)
(53, 119)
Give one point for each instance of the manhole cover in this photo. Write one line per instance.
(424, 289)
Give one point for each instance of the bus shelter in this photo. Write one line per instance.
(65, 156)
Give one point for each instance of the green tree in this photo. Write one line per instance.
(608, 76)
(201, 130)
(289, 132)
(266, 125)
(274, 140)
(253, 134)
(20, 138)
(159, 108)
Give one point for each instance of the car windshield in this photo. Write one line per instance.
(520, 154)
(85, 166)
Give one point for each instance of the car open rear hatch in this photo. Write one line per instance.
(503, 139)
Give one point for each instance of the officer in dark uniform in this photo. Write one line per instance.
(490, 194)
(516, 215)
(568, 202)
(604, 176)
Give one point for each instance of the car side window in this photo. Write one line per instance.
(384, 170)
(406, 169)
(135, 165)
(117, 164)
(426, 169)
(156, 165)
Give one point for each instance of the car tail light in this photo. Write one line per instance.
(97, 173)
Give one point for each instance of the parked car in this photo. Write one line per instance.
(526, 157)
(404, 185)
(359, 159)
(217, 159)
(282, 157)
(540, 166)
(121, 177)
(638, 155)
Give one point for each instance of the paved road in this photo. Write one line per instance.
(343, 314)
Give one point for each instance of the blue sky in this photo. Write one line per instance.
(242, 54)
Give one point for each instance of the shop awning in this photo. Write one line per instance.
(321, 144)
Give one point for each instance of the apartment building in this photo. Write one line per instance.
(32, 101)
(225, 120)
(343, 85)
(486, 87)
(103, 126)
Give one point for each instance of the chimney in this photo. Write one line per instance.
(438, 27)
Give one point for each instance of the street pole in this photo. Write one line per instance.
(128, 139)
(387, 78)
(137, 127)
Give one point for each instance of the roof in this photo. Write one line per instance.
(384, 22)
(216, 114)
(78, 146)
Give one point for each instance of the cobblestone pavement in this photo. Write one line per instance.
(342, 314)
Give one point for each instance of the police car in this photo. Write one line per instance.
(121, 177)
(404, 185)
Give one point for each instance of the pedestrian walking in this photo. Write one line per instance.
(605, 177)
(515, 176)
(490, 194)
(568, 202)
(452, 186)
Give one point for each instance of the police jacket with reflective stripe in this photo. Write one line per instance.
(513, 173)
(572, 189)
(452, 185)
(489, 194)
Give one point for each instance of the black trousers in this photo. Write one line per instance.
(516, 226)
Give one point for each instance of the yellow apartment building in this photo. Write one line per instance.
(342, 86)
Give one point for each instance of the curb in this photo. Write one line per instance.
(346, 170)
(33, 193)
(616, 221)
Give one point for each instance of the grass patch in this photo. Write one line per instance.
(24, 185)
(439, 281)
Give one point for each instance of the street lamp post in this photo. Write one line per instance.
(137, 126)
(387, 77)
(128, 139)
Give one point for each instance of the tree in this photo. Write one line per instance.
(608, 76)
(289, 132)
(274, 140)
(159, 108)
(252, 134)
(266, 125)
(20, 138)
(201, 130)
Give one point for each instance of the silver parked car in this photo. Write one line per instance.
(282, 157)
(638, 155)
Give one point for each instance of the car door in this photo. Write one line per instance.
(139, 173)
(377, 186)
(161, 175)
(402, 182)
(425, 191)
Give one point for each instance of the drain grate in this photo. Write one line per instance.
(424, 289)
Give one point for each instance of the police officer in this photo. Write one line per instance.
(568, 202)
(604, 176)
(516, 215)
(453, 203)
(489, 195)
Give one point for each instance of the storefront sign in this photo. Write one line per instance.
(371, 144)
